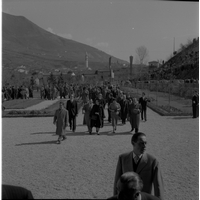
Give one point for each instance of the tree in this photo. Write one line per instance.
(141, 54)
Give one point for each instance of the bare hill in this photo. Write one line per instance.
(25, 43)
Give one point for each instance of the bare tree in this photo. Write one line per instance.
(141, 54)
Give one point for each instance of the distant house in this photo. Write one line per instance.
(153, 65)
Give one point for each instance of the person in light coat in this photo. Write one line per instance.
(61, 122)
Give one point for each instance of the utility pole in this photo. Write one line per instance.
(110, 69)
(86, 60)
(131, 67)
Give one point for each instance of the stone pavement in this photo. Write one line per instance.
(83, 166)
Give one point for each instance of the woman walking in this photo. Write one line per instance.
(114, 108)
(134, 114)
(86, 111)
(96, 115)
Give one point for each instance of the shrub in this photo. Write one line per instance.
(32, 112)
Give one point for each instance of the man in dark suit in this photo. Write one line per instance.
(143, 101)
(143, 164)
(124, 109)
(72, 108)
(15, 192)
(129, 187)
(195, 104)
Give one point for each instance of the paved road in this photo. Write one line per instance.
(83, 166)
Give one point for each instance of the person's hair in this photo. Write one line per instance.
(128, 184)
(61, 102)
(136, 136)
(97, 100)
(113, 99)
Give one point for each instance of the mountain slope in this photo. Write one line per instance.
(26, 39)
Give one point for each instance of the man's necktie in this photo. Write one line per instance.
(136, 159)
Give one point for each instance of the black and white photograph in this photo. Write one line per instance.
(100, 99)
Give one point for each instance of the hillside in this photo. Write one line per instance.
(183, 65)
(25, 43)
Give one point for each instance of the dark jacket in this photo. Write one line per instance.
(143, 102)
(15, 192)
(144, 196)
(72, 108)
(148, 169)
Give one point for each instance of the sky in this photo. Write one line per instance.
(117, 27)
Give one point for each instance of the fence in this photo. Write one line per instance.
(166, 94)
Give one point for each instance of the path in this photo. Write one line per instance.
(42, 105)
(83, 166)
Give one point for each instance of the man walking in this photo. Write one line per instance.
(124, 109)
(195, 105)
(72, 108)
(143, 164)
(143, 101)
(60, 119)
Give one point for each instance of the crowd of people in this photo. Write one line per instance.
(138, 174)
(120, 106)
(16, 92)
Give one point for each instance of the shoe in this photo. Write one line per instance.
(90, 133)
(98, 133)
(58, 142)
(64, 138)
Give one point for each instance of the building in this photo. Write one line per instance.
(153, 65)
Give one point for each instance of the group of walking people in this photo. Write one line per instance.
(120, 106)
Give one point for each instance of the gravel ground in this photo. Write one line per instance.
(83, 166)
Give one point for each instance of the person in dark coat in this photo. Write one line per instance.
(15, 192)
(96, 116)
(142, 163)
(143, 101)
(124, 109)
(195, 105)
(129, 187)
(109, 101)
(102, 104)
(134, 114)
(60, 120)
(72, 108)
